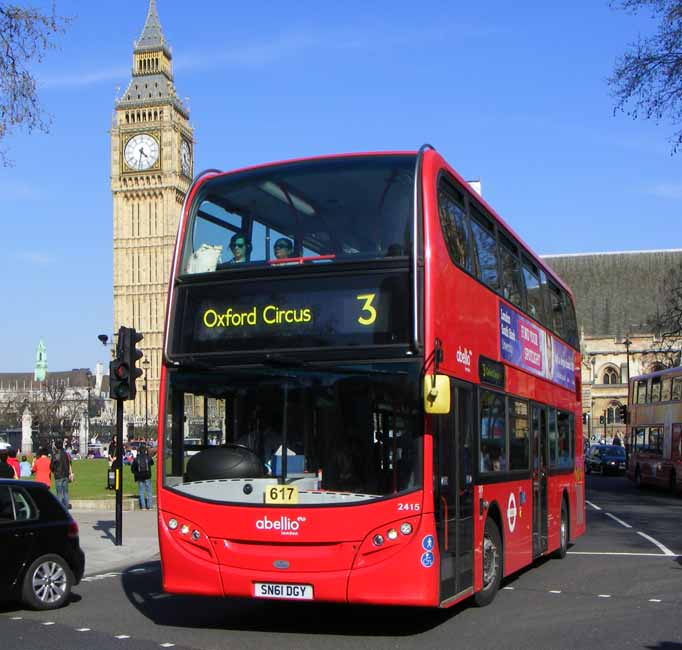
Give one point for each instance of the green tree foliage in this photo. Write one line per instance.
(647, 79)
(25, 36)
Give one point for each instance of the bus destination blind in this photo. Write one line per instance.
(337, 311)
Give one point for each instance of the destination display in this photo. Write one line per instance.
(334, 311)
(524, 344)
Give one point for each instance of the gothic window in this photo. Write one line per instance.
(610, 376)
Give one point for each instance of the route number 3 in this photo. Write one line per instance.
(367, 308)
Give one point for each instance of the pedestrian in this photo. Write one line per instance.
(616, 440)
(6, 470)
(63, 474)
(142, 470)
(41, 467)
(24, 468)
(112, 454)
(12, 460)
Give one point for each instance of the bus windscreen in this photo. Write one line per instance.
(333, 434)
(326, 210)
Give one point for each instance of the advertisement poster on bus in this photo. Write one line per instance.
(524, 344)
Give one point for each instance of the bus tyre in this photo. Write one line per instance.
(638, 477)
(47, 583)
(492, 564)
(673, 483)
(560, 553)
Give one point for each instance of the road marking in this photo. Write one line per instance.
(122, 636)
(167, 645)
(82, 629)
(509, 588)
(554, 591)
(603, 595)
(101, 576)
(17, 618)
(589, 503)
(620, 521)
(48, 623)
(665, 550)
(654, 600)
(615, 553)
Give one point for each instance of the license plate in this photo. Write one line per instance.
(281, 494)
(280, 590)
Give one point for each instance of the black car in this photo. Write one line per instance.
(605, 459)
(40, 557)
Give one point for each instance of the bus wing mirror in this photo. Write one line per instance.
(437, 394)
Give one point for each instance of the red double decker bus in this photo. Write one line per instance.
(654, 441)
(369, 391)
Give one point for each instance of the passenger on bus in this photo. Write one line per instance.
(241, 248)
(283, 248)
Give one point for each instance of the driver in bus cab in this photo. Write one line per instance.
(240, 247)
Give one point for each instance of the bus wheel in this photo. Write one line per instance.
(673, 483)
(563, 533)
(492, 564)
(638, 477)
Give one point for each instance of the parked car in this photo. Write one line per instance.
(41, 555)
(605, 459)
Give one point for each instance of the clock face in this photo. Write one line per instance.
(185, 162)
(141, 152)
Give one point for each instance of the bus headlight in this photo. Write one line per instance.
(406, 528)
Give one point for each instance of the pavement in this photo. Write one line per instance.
(97, 531)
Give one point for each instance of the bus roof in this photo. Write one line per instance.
(677, 370)
(464, 183)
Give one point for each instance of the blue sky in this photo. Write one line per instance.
(512, 93)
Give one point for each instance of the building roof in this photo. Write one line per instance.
(19, 381)
(616, 293)
(151, 88)
(152, 36)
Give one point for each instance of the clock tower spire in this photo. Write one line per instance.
(152, 146)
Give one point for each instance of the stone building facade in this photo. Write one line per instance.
(152, 149)
(617, 295)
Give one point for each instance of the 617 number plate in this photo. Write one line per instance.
(281, 494)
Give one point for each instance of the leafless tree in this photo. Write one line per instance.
(26, 34)
(647, 79)
(667, 323)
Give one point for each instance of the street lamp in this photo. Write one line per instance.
(627, 343)
(88, 377)
(145, 364)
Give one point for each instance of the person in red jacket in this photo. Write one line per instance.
(41, 467)
(13, 462)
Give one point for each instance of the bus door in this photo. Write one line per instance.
(454, 491)
(539, 476)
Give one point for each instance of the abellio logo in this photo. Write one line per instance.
(284, 525)
(464, 357)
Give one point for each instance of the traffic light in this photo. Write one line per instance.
(130, 355)
(623, 413)
(601, 419)
(122, 370)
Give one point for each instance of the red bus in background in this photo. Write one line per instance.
(654, 441)
(369, 391)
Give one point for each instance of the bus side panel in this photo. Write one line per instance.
(513, 502)
(202, 579)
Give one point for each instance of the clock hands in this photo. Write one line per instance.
(142, 153)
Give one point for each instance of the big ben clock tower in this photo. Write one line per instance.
(152, 149)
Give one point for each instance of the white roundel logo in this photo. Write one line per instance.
(511, 512)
